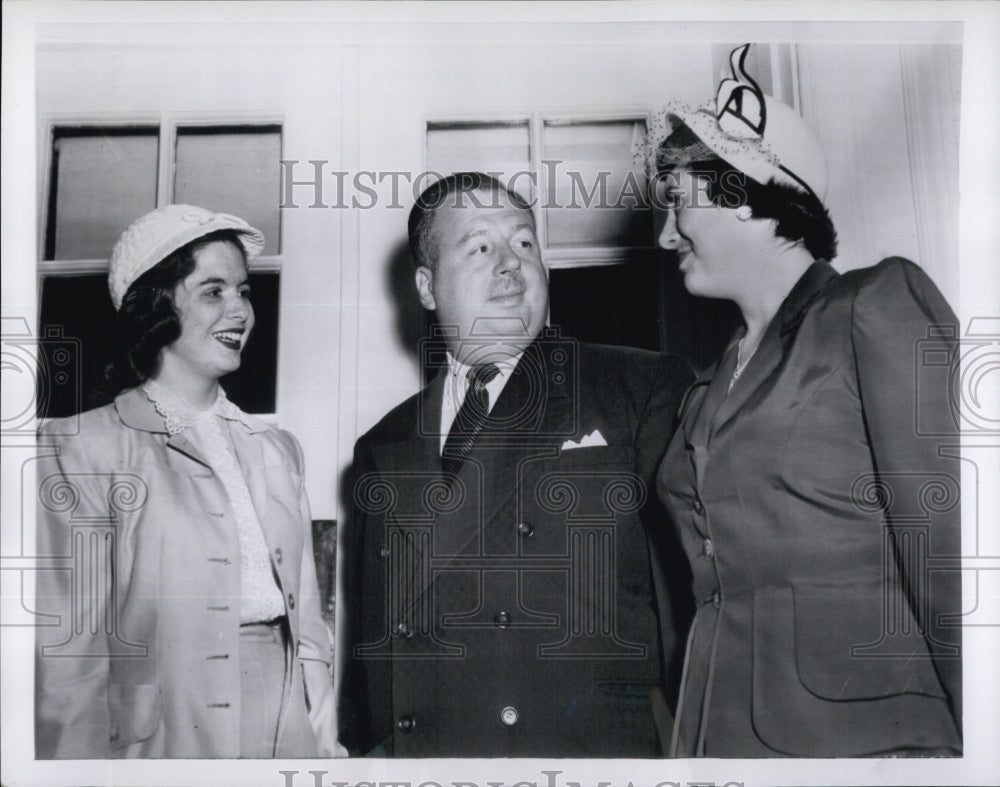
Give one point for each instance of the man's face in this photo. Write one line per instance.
(489, 280)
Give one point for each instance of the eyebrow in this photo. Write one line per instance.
(478, 231)
(220, 280)
(473, 233)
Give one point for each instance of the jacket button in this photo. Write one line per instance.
(502, 619)
(277, 555)
(709, 548)
(716, 598)
(525, 529)
(383, 552)
(698, 507)
(404, 630)
(406, 723)
(509, 715)
(291, 601)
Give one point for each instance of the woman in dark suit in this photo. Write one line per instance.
(809, 505)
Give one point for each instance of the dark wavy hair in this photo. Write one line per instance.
(800, 217)
(440, 193)
(147, 320)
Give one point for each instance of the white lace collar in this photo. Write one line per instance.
(179, 414)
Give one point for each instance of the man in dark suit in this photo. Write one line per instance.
(498, 581)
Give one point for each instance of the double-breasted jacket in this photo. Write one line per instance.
(511, 613)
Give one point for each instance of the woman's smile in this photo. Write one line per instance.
(213, 304)
(230, 338)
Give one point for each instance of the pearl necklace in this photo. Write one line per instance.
(741, 363)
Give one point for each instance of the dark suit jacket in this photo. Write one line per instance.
(512, 614)
(813, 502)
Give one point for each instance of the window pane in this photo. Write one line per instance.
(101, 180)
(76, 320)
(596, 187)
(77, 314)
(502, 148)
(232, 169)
(253, 386)
(586, 303)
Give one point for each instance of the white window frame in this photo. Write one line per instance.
(167, 124)
(563, 257)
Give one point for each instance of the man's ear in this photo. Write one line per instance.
(425, 287)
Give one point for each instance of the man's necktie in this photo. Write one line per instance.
(470, 418)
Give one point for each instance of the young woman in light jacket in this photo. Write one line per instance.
(184, 615)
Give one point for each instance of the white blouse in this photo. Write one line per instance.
(260, 597)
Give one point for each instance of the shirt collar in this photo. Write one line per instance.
(459, 370)
(179, 414)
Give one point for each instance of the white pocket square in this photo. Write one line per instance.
(595, 438)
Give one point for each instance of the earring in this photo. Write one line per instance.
(743, 213)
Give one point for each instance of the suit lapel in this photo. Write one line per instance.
(701, 399)
(428, 426)
(758, 369)
(137, 412)
(410, 460)
(533, 414)
(538, 400)
(419, 447)
(250, 457)
(773, 346)
(180, 442)
(530, 409)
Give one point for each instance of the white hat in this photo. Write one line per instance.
(150, 239)
(755, 133)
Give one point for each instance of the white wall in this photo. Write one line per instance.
(889, 125)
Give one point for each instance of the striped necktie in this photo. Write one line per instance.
(470, 418)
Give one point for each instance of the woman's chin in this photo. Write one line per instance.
(693, 284)
(230, 366)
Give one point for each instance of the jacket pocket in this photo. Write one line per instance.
(135, 711)
(844, 651)
(805, 704)
(592, 456)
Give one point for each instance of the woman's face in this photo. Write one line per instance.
(213, 305)
(710, 241)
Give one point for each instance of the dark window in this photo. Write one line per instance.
(641, 303)
(608, 304)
